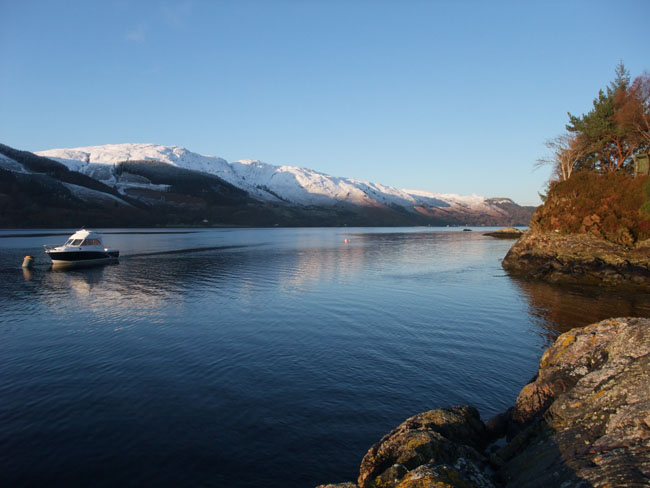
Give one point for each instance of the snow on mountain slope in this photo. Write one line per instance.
(268, 182)
(9, 164)
(99, 162)
(89, 195)
(458, 203)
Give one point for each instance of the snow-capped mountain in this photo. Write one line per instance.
(267, 182)
(152, 185)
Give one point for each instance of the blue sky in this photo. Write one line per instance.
(451, 97)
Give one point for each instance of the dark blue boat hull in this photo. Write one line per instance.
(69, 259)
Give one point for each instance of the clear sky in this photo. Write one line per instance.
(444, 96)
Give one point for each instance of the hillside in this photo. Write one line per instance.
(170, 185)
(614, 207)
(297, 186)
(36, 191)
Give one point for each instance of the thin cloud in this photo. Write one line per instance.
(139, 34)
(177, 14)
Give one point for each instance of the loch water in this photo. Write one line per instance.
(259, 357)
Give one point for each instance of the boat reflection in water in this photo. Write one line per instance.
(83, 248)
(81, 282)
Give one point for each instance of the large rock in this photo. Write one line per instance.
(579, 258)
(586, 417)
(583, 422)
(506, 233)
(347, 484)
(442, 444)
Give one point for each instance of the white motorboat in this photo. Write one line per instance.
(83, 248)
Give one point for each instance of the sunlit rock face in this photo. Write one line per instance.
(438, 445)
(579, 259)
(593, 229)
(586, 417)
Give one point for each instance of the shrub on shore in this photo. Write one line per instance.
(611, 206)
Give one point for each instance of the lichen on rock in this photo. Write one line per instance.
(433, 438)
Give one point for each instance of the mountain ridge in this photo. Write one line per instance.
(296, 184)
(170, 185)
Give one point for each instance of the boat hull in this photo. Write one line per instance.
(78, 259)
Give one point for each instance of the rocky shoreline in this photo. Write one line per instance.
(579, 259)
(584, 421)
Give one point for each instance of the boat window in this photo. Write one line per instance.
(90, 242)
(76, 242)
(68, 243)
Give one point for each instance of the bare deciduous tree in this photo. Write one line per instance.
(567, 150)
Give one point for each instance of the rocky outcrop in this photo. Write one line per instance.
(583, 422)
(586, 417)
(506, 233)
(579, 259)
(338, 485)
(593, 229)
(439, 443)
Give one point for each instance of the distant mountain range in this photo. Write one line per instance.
(148, 184)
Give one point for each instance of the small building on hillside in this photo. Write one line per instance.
(641, 164)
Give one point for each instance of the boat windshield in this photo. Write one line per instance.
(74, 242)
(90, 242)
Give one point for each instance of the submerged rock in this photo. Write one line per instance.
(579, 258)
(583, 422)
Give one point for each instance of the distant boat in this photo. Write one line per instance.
(83, 248)
(467, 230)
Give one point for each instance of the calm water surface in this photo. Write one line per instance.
(260, 357)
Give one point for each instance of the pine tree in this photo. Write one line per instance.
(610, 144)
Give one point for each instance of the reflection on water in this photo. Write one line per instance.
(28, 274)
(561, 308)
(81, 281)
(204, 368)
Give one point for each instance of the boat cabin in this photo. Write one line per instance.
(83, 238)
